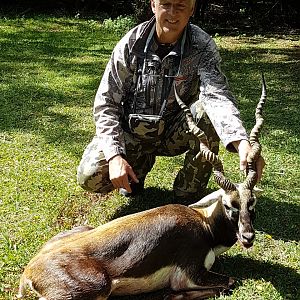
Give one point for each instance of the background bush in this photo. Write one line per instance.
(142, 10)
(253, 14)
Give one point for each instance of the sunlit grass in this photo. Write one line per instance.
(50, 69)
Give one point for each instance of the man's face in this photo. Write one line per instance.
(171, 18)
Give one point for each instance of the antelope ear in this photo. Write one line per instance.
(209, 199)
(257, 191)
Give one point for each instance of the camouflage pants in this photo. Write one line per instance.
(192, 179)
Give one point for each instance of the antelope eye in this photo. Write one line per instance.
(251, 203)
(232, 209)
(226, 206)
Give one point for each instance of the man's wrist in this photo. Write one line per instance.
(115, 156)
(237, 144)
(118, 155)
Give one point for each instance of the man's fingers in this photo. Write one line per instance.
(121, 173)
(117, 183)
(243, 161)
(244, 149)
(126, 185)
(260, 164)
(121, 183)
(132, 175)
(243, 164)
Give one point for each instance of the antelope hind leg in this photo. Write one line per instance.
(84, 278)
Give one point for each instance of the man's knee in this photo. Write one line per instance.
(95, 182)
(93, 172)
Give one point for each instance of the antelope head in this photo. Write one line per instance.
(238, 199)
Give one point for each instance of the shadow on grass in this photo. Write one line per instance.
(151, 198)
(243, 68)
(279, 219)
(285, 280)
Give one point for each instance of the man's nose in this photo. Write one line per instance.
(172, 10)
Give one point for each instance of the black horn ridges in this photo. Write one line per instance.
(251, 179)
(205, 152)
(223, 182)
(218, 172)
(258, 114)
(252, 157)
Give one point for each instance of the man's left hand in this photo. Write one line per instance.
(243, 147)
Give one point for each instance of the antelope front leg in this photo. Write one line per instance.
(209, 284)
(195, 295)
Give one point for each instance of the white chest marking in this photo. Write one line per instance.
(220, 249)
(209, 260)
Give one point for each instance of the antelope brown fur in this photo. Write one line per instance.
(170, 246)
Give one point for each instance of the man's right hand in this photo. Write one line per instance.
(119, 173)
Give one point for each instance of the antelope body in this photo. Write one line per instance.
(171, 246)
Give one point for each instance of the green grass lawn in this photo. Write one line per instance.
(50, 69)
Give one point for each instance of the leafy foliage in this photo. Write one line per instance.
(249, 14)
(253, 14)
(142, 10)
(118, 25)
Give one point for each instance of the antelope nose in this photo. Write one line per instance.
(248, 237)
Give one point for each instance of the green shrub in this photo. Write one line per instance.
(142, 10)
(119, 25)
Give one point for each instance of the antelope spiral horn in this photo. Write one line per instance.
(205, 152)
(251, 178)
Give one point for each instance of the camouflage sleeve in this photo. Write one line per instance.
(218, 102)
(107, 106)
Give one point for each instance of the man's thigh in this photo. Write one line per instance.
(178, 138)
(93, 170)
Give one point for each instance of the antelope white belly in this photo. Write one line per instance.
(131, 285)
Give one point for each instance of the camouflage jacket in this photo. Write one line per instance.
(137, 80)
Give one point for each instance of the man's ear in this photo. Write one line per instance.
(152, 2)
(193, 9)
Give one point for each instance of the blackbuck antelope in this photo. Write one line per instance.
(173, 246)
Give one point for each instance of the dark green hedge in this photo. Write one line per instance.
(219, 12)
